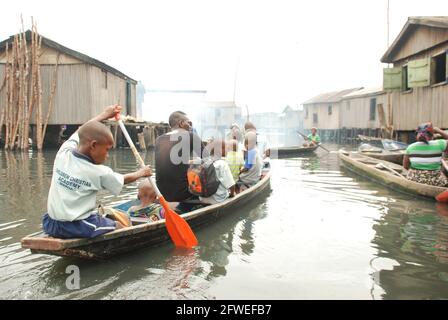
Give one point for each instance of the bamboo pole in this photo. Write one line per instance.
(31, 95)
(2, 114)
(6, 108)
(15, 104)
(53, 90)
(25, 136)
(19, 83)
(10, 118)
(39, 98)
(22, 85)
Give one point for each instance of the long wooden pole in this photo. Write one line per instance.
(2, 115)
(39, 96)
(7, 73)
(19, 123)
(53, 90)
(25, 92)
(31, 95)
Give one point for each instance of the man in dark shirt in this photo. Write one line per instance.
(172, 154)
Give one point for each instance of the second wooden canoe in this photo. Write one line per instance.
(368, 167)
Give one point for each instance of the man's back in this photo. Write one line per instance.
(172, 153)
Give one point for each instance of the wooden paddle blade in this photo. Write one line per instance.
(178, 229)
(442, 197)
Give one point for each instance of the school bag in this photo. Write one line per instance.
(202, 179)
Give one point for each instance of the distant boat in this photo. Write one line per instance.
(284, 152)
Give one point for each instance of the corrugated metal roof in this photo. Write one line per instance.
(364, 92)
(330, 97)
(78, 55)
(431, 21)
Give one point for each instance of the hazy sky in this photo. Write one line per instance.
(285, 51)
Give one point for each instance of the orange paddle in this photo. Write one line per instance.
(178, 229)
(443, 196)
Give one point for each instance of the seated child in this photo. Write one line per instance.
(226, 186)
(234, 158)
(148, 207)
(251, 172)
(78, 174)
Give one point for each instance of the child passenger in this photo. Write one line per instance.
(226, 186)
(251, 172)
(148, 207)
(78, 174)
(234, 158)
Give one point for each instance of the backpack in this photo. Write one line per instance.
(202, 179)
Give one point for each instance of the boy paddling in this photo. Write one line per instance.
(78, 174)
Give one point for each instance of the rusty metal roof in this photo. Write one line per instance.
(78, 55)
(330, 97)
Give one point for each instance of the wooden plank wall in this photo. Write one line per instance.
(421, 104)
(355, 112)
(422, 39)
(80, 93)
(133, 111)
(114, 93)
(72, 103)
(325, 121)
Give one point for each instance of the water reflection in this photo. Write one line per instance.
(416, 238)
(23, 189)
(311, 164)
(231, 232)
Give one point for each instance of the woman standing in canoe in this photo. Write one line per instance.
(423, 159)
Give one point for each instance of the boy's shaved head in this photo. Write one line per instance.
(145, 184)
(249, 126)
(146, 192)
(176, 117)
(94, 130)
(250, 139)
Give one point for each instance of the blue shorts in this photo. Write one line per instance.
(90, 227)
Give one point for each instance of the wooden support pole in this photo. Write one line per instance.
(53, 90)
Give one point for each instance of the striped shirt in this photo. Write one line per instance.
(426, 156)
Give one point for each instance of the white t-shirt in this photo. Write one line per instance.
(76, 181)
(224, 175)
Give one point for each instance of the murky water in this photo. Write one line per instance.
(321, 232)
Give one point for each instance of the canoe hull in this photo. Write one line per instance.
(387, 156)
(365, 166)
(139, 236)
(284, 152)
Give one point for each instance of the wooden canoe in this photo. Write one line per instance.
(384, 155)
(292, 151)
(366, 167)
(141, 234)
